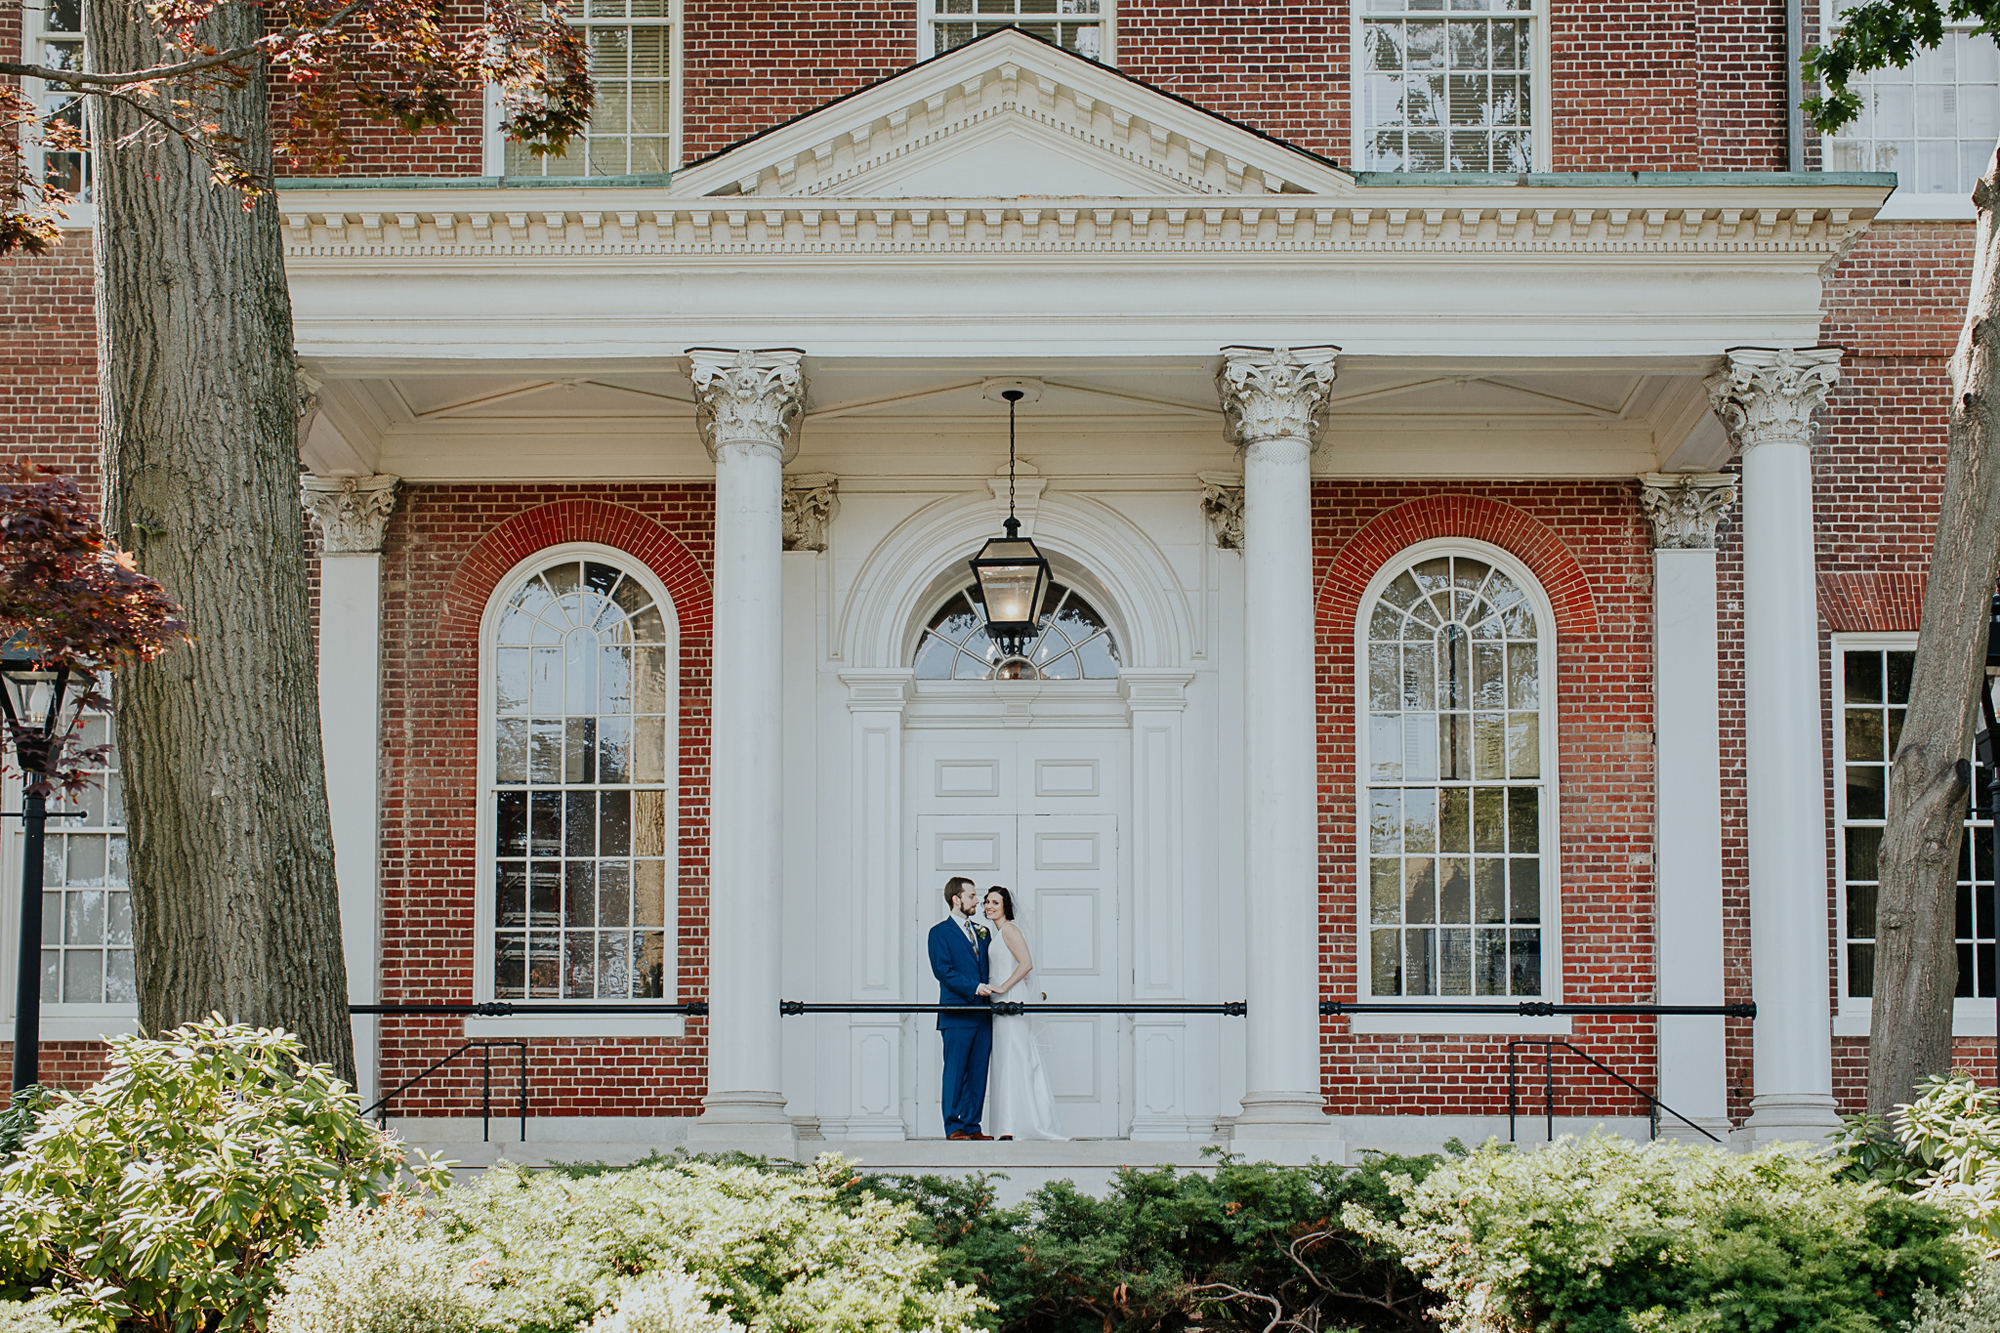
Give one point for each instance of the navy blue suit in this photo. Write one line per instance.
(960, 969)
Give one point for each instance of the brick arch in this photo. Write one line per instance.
(557, 524)
(1519, 534)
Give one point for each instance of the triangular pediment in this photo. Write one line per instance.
(1010, 116)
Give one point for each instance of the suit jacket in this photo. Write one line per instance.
(960, 970)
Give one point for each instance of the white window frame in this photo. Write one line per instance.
(1541, 100)
(929, 15)
(1904, 204)
(494, 156)
(522, 1023)
(79, 214)
(1972, 1017)
(59, 1021)
(1550, 810)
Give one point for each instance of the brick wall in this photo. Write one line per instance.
(1590, 549)
(48, 358)
(448, 547)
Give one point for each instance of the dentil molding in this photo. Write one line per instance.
(810, 501)
(748, 397)
(1685, 507)
(352, 513)
(1274, 394)
(1767, 395)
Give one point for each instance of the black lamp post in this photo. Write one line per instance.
(1990, 807)
(1012, 572)
(33, 699)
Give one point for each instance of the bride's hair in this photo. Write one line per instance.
(1006, 900)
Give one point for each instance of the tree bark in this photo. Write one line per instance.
(1916, 956)
(235, 905)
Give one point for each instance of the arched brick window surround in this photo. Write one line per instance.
(1524, 537)
(565, 521)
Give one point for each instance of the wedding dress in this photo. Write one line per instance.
(1018, 1100)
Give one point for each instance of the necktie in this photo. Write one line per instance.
(971, 938)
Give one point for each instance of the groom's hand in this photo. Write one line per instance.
(985, 990)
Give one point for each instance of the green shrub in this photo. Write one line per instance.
(694, 1247)
(1600, 1235)
(1164, 1249)
(166, 1194)
(19, 1278)
(1950, 1136)
(1974, 1308)
(33, 1316)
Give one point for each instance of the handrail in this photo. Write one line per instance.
(1009, 1008)
(1540, 1009)
(486, 1046)
(1548, 1044)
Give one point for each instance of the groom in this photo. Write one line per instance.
(958, 961)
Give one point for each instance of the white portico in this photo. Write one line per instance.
(817, 320)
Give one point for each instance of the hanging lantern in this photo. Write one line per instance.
(1012, 573)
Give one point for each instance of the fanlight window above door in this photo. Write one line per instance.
(1074, 643)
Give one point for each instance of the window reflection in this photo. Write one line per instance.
(1074, 642)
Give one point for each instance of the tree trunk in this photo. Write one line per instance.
(234, 899)
(1916, 956)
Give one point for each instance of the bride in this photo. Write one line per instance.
(1019, 1104)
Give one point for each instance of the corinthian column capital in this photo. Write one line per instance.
(352, 513)
(1275, 396)
(748, 399)
(1684, 507)
(1767, 395)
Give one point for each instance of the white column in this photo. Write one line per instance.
(749, 404)
(1687, 802)
(1274, 404)
(352, 514)
(1767, 398)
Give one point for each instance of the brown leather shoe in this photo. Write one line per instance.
(983, 1138)
(1006, 1138)
(962, 1135)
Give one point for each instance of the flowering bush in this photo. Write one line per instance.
(166, 1194)
(1600, 1235)
(1973, 1309)
(1950, 1140)
(693, 1247)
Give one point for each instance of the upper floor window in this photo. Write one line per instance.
(1075, 643)
(1933, 122)
(1449, 85)
(86, 890)
(634, 126)
(1872, 681)
(1456, 766)
(582, 815)
(1074, 25)
(52, 33)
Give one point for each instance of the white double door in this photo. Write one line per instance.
(1034, 815)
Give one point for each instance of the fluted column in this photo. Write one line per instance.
(1684, 509)
(1767, 397)
(352, 515)
(749, 405)
(1274, 404)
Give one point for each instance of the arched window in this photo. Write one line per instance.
(583, 696)
(1074, 643)
(1456, 770)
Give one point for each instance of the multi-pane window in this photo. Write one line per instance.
(583, 752)
(1074, 25)
(1446, 85)
(1074, 643)
(1874, 684)
(631, 125)
(1934, 122)
(86, 890)
(1455, 782)
(54, 39)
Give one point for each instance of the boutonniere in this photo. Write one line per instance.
(982, 932)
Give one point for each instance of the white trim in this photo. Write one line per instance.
(1541, 109)
(929, 16)
(522, 1023)
(1970, 1017)
(79, 215)
(1550, 804)
(493, 147)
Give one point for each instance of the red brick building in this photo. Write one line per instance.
(1487, 459)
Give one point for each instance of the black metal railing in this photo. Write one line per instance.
(1236, 1008)
(1654, 1106)
(1539, 1009)
(485, 1047)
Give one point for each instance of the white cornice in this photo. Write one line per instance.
(1808, 223)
